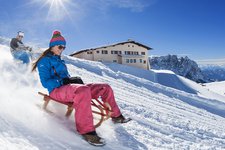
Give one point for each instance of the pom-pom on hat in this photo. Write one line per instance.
(57, 39)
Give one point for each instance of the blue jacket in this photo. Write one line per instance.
(52, 70)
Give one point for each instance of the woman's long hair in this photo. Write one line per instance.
(34, 65)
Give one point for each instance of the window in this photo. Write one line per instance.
(144, 61)
(115, 61)
(97, 51)
(131, 53)
(131, 60)
(140, 60)
(115, 52)
(90, 52)
(104, 52)
(142, 53)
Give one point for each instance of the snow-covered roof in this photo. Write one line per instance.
(112, 45)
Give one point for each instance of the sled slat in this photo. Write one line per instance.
(69, 111)
(104, 108)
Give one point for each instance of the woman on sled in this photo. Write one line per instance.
(61, 86)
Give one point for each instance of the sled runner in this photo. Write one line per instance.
(102, 110)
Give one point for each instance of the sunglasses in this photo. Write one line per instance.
(61, 47)
(20, 36)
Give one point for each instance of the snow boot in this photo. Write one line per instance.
(93, 139)
(120, 119)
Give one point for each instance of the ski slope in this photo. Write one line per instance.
(168, 111)
(217, 87)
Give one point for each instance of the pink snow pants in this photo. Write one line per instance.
(81, 96)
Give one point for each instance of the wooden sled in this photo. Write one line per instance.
(103, 110)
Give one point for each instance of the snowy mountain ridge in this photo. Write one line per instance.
(213, 69)
(182, 66)
(168, 111)
(200, 71)
(214, 72)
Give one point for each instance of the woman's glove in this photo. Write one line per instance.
(76, 80)
(66, 81)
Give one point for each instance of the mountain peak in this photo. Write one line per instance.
(182, 66)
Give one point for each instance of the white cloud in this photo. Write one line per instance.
(220, 62)
(134, 5)
(62, 9)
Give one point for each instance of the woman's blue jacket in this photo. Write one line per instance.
(52, 69)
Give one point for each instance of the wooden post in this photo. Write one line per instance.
(69, 111)
(46, 99)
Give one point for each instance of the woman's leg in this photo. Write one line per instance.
(80, 95)
(107, 95)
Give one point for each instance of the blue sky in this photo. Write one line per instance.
(193, 28)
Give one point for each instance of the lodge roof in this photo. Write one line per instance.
(112, 45)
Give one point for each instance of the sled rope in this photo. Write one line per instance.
(104, 109)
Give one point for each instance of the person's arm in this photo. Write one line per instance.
(47, 80)
(13, 44)
(21, 46)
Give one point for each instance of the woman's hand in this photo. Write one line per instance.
(75, 80)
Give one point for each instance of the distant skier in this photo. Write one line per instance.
(18, 50)
(55, 77)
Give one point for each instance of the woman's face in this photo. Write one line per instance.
(57, 50)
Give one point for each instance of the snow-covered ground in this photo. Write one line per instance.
(168, 111)
(217, 87)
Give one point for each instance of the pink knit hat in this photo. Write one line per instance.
(57, 39)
